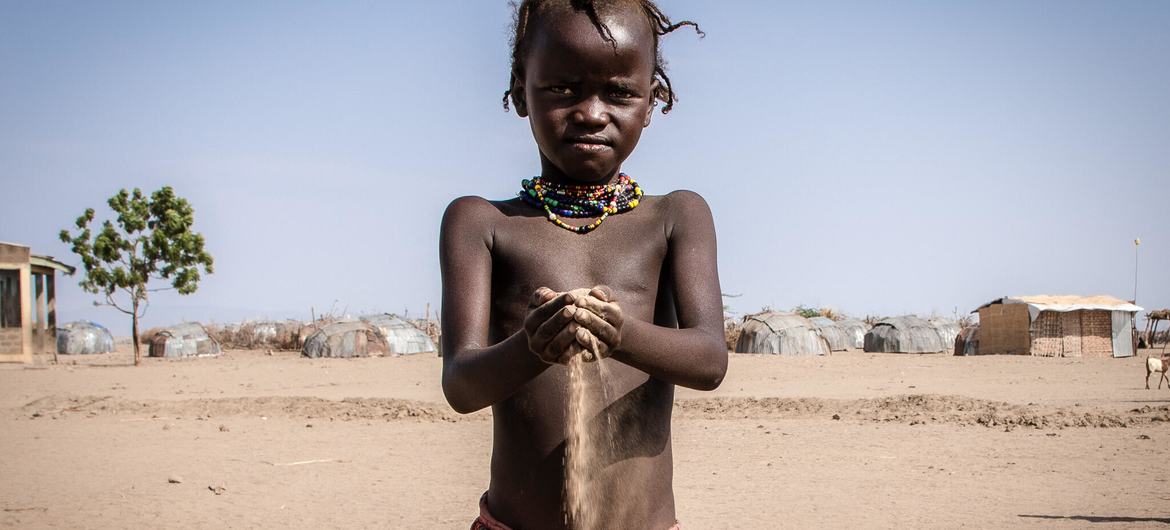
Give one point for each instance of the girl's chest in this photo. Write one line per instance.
(625, 254)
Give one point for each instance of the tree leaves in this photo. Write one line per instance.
(149, 239)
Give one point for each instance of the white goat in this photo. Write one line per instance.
(1155, 365)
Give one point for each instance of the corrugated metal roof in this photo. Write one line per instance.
(48, 261)
(839, 339)
(780, 334)
(1062, 303)
(904, 334)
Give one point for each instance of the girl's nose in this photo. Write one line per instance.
(591, 112)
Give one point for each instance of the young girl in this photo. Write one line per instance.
(581, 258)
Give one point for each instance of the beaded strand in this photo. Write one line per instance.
(575, 201)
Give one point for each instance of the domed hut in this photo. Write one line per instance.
(84, 338)
(401, 336)
(780, 334)
(905, 334)
(350, 338)
(837, 338)
(855, 330)
(967, 341)
(947, 329)
(188, 339)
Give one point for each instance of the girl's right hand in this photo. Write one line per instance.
(549, 325)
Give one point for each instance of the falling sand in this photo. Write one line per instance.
(581, 445)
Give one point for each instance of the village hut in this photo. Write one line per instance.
(347, 338)
(780, 334)
(855, 329)
(967, 341)
(84, 338)
(947, 329)
(1057, 326)
(188, 339)
(401, 336)
(837, 338)
(904, 334)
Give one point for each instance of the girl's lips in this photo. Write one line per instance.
(588, 147)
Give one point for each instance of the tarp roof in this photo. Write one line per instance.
(1065, 303)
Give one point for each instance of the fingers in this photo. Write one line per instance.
(580, 337)
(593, 349)
(603, 293)
(546, 331)
(597, 327)
(540, 314)
(609, 311)
(541, 296)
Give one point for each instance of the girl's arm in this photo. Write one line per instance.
(693, 355)
(475, 375)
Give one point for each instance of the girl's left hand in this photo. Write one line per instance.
(602, 319)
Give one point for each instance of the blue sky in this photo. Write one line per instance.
(878, 158)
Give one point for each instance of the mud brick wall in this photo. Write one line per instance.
(10, 341)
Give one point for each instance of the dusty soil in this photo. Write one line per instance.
(853, 440)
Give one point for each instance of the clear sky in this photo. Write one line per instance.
(874, 157)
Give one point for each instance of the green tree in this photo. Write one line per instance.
(152, 240)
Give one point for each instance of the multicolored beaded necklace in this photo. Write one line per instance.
(563, 200)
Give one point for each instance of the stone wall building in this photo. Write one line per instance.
(28, 303)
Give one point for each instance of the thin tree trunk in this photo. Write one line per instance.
(134, 332)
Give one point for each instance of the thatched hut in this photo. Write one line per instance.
(967, 341)
(188, 339)
(837, 338)
(350, 338)
(780, 334)
(1057, 326)
(904, 334)
(84, 338)
(855, 330)
(401, 336)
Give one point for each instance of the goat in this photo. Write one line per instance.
(1155, 365)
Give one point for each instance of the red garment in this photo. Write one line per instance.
(485, 521)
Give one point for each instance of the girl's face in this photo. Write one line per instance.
(587, 99)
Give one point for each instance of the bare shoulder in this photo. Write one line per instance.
(685, 209)
(469, 217)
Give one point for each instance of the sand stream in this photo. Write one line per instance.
(582, 445)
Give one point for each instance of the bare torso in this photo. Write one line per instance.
(659, 263)
(628, 254)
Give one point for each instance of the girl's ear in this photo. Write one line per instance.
(653, 103)
(518, 100)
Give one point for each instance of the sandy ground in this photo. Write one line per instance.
(250, 440)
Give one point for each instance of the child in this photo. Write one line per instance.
(528, 282)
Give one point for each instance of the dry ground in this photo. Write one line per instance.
(921, 441)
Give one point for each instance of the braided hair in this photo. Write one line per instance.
(528, 12)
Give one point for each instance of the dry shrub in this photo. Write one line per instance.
(433, 330)
(259, 335)
(145, 337)
(732, 329)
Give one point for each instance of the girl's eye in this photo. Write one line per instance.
(623, 94)
(560, 90)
